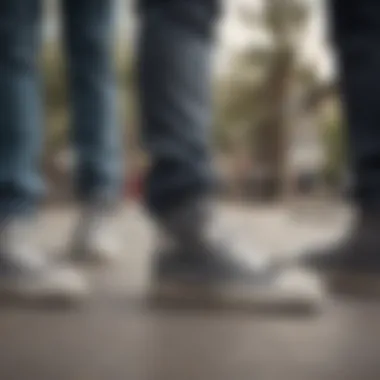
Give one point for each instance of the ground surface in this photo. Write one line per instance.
(114, 337)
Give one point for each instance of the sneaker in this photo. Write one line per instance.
(95, 241)
(27, 276)
(194, 265)
(352, 265)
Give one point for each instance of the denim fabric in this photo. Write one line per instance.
(175, 73)
(175, 61)
(95, 130)
(356, 32)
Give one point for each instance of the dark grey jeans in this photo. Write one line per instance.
(175, 65)
(356, 30)
(95, 131)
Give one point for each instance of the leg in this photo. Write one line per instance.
(353, 265)
(96, 131)
(175, 87)
(24, 275)
(357, 33)
(20, 99)
(175, 90)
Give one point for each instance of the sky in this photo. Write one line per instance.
(234, 36)
(317, 47)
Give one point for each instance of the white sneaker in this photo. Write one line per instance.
(27, 276)
(95, 240)
(198, 266)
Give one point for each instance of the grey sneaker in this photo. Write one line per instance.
(196, 266)
(26, 276)
(352, 265)
(95, 240)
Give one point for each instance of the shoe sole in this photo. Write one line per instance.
(24, 294)
(92, 259)
(356, 285)
(235, 297)
(53, 301)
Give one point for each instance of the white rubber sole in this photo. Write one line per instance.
(62, 288)
(304, 297)
(357, 285)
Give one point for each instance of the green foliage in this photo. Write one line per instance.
(334, 140)
(237, 111)
(55, 97)
(257, 85)
(285, 18)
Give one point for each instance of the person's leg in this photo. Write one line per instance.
(20, 99)
(89, 38)
(24, 274)
(175, 91)
(356, 31)
(95, 130)
(354, 263)
(175, 71)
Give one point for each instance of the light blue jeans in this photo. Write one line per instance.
(88, 39)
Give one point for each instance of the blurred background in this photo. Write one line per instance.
(278, 132)
(278, 126)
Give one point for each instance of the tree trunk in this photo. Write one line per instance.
(272, 135)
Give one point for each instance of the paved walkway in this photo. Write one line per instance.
(111, 339)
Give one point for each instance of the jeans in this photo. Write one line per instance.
(87, 29)
(356, 31)
(174, 77)
(175, 67)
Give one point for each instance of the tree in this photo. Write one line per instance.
(257, 97)
(284, 21)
